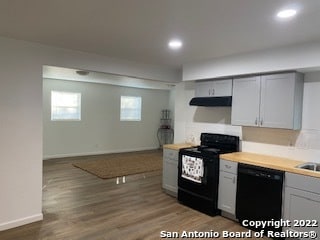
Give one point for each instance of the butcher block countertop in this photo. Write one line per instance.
(178, 146)
(278, 163)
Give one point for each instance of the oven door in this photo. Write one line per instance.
(198, 174)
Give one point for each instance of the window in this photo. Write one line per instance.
(130, 109)
(65, 106)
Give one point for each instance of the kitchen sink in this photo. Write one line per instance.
(310, 166)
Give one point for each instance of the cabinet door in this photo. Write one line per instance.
(302, 205)
(203, 89)
(170, 176)
(277, 101)
(222, 88)
(245, 101)
(216, 88)
(170, 171)
(227, 192)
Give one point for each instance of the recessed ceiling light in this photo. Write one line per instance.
(287, 13)
(175, 44)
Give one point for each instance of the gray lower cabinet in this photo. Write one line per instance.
(302, 203)
(227, 186)
(170, 171)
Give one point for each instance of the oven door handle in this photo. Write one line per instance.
(205, 173)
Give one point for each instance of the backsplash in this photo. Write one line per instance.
(193, 130)
(301, 145)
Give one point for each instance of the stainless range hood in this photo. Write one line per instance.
(211, 101)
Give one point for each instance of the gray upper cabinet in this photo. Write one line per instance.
(273, 101)
(245, 101)
(214, 88)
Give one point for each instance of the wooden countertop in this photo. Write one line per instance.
(178, 146)
(278, 163)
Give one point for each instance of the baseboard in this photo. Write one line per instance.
(21, 221)
(47, 157)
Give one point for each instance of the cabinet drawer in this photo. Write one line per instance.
(228, 166)
(170, 154)
(306, 183)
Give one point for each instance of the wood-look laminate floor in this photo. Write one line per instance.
(78, 205)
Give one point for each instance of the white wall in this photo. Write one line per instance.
(294, 57)
(100, 129)
(302, 145)
(21, 118)
(20, 135)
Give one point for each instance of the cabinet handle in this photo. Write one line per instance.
(256, 121)
(213, 91)
(228, 178)
(261, 122)
(233, 179)
(227, 166)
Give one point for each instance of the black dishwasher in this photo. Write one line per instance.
(259, 195)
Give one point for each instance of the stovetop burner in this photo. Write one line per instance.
(212, 144)
(204, 148)
(211, 150)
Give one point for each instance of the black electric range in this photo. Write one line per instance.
(198, 171)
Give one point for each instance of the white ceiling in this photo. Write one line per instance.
(138, 30)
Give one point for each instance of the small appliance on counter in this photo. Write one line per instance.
(198, 171)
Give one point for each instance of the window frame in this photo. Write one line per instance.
(77, 107)
(126, 119)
